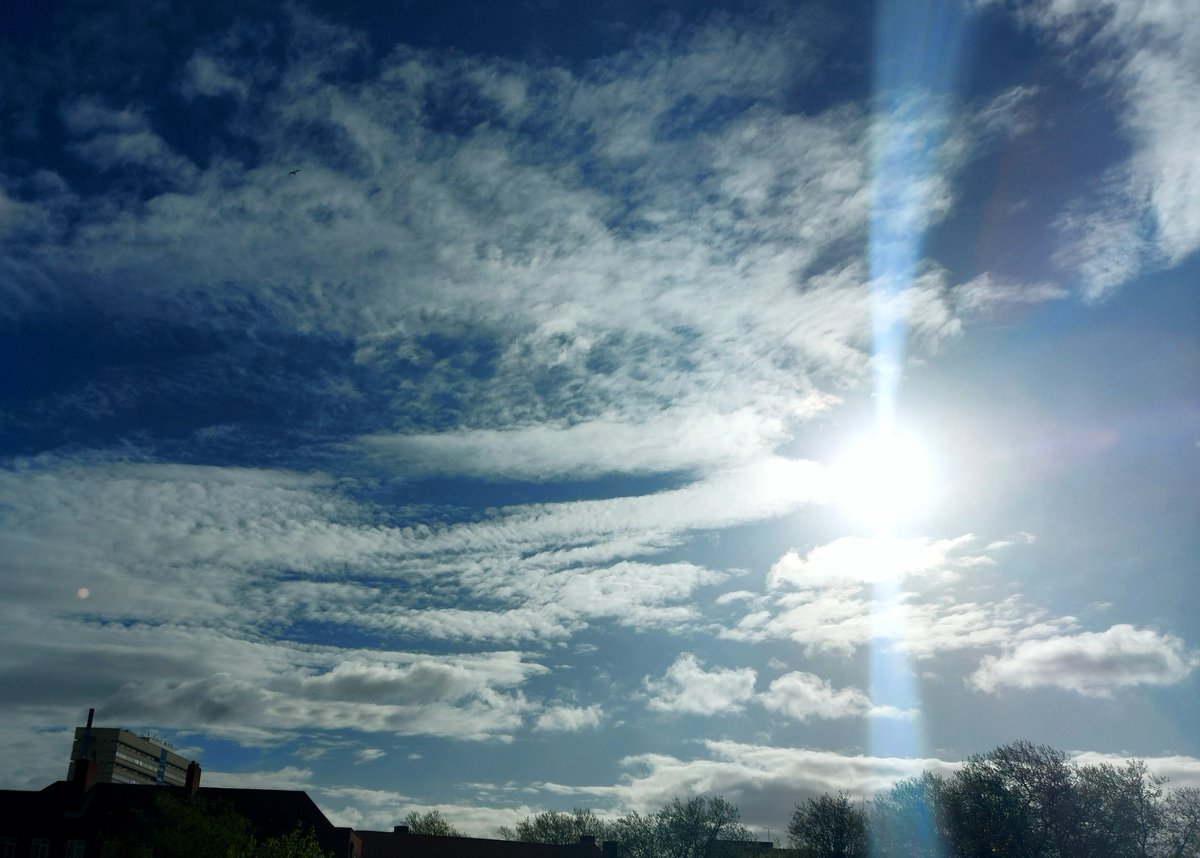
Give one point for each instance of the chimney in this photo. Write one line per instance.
(86, 773)
(609, 849)
(400, 829)
(191, 781)
(587, 840)
(86, 742)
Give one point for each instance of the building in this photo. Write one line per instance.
(401, 843)
(116, 778)
(79, 817)
(123, 757)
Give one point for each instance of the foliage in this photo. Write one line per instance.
(432, 823)
(830, 827)
(1018, 799)
(907, 820)
(294, 844)
(1120, 809)
(688, 829)
(1032, 800)
(637, 834)
(682, 829)
(172, 828)
(199, 828)
(1180, 833)
(555, 827)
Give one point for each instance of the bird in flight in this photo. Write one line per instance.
(294, 172)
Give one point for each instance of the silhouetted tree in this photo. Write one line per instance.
(1018, 799)
(681, 829)
(198, 828)
(907, 820)
(829, 827)
(1121, 809)
(554, 827)
(1180, 833)
(636, 833)
(688, 829)
(430, 822)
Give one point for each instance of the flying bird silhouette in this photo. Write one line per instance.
(294, 172)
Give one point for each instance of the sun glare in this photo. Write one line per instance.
(885, 479)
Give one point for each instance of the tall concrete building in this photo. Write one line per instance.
(123, 757)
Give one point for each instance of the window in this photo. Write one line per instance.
(39, 848)
(8, 847)
(75, 848)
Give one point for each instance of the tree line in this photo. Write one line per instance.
(200, 828)
(698, 827)
(1020, 799)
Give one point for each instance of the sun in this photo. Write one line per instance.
(885, 479)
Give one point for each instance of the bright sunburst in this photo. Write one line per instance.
(885, 479)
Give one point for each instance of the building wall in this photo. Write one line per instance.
(127, 758)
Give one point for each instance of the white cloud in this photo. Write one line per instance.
(379, 810)
(1106, 240)
(676, 294)
(1149, 53)
(208, 75)
(1180, 770)
(688, 687)
(121, 137)
(867, 560)
(678, 439)
(289, 777)
(1090, 663)
(569, 719)
(764, 782)
(940, 600)
(801, 696)
(987, 294)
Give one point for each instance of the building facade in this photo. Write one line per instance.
(123, 757)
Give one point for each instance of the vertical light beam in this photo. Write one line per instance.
(917, 51)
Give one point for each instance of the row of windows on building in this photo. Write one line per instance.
(40, 848)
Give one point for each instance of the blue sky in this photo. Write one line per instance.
(752, 399)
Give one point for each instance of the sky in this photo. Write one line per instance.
(505, 407)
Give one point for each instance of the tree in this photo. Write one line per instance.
(1180, 833)
(984, 817)
(294, 844)
(1019, 799)
(688, 829)
(430, 822)
(829, 827)
(1121, 809)
(907, 820)
(199, 828)
(172, 828)
(555, 827)
(637, 834)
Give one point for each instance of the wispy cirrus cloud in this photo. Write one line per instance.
(676, 439)
(684, 273)
(1146, 56)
